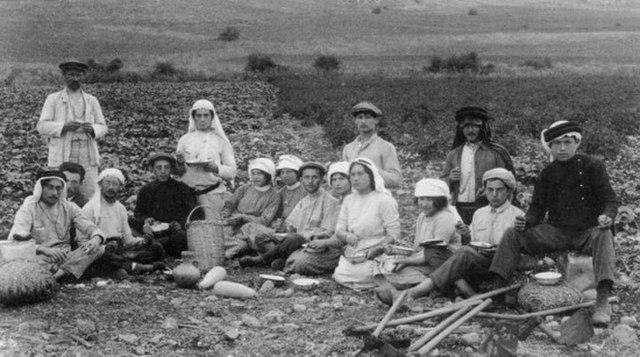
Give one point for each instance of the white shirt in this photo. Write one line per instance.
(467, 173)
(489, 224)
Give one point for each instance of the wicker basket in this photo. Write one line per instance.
(536, 297)
(206, 239)
(24, 281)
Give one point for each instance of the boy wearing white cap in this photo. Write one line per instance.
(574, 194)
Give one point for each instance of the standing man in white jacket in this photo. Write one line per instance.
(72, 120)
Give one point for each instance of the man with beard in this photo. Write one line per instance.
(164, 200)
(46, 217)
(313, 218)
(72, 120)
(369, 145)
(473, 153)
(123, 250)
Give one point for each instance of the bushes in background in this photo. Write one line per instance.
(229, 34)
(466, 63)
(326, 63)
(259, 62)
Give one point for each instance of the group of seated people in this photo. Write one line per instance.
(347, 227)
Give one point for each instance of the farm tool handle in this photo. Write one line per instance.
(441, 326)
(392, 310)
(474, 300)
(557, 310)
(434, 342)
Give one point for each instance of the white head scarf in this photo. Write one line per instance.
(37, 188)
(265, 165)
(340, 167)
(111, 173)
(377, 179)
(289, 162)
(430, 187)
(215, 122)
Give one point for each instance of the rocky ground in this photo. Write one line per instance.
(150, 315)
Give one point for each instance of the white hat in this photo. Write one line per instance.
(429, 187)
(289, 162)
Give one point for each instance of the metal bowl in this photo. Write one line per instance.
(548, 278)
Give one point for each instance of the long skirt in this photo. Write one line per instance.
(310, 262)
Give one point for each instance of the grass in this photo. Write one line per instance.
(294, 32)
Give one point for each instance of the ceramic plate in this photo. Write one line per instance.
(481, 245)
(272, 277)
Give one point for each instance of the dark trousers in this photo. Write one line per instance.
(466, 263)
(545, 238)
(174, 242)
(436, 256)
(284, 249)
(117, 257)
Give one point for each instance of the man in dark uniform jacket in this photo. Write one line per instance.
(575, 194)
(164, 200)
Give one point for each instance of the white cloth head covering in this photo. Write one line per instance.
(501, 174)
(430, 187)
(37, 188)
(265, 165)
(111, 172)
(289, 162)
(377, 179)
(215, 122)
(340, 167)
(574, 134)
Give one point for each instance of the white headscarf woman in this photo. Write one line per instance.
(206, 155)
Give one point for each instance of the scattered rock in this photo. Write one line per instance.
(353, 300)
(324, 305)
(177, 302)
(128, 338)
(554, 325)
(299, 308)
(564, 318)
(275, 316)
(629, 321)
(250, 321)
(468, 350)
(549, 318)
(416, 309)
(85, 327)
(170, 323)
(139, 351)
(289, 293)
(232, 334)
(32, 325)
(211, 298)
(589, 295)
(470, 339)
(156, 338)
(624, 334)
(267, 286)
(102, 283)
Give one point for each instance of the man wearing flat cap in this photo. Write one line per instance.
(46, 217)
(470, 263)
(574, 194)
(72, 120)
(369, 145)
(472, 154)
(165, 200)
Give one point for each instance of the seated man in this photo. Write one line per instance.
(470, 264)
(574, 192)
(123, 250)
(46, 216)
(164, 200)
(75, 177)
(314, 217)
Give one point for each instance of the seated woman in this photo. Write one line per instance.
(289, 175)
(435, 227)
(252, 207)
(368, 220)
(321, 256)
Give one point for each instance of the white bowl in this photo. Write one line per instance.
(277, 279)
(305, 283)
(548, 278)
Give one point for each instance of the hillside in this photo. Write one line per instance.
(404, 35)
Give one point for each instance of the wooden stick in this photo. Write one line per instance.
(392, 310)
(441, 326)
(557, 310)
(80, 340)
(434, 342)
(474, 300)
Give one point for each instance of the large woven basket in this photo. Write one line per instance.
(537, 297)
(25, 281)
(206, 239)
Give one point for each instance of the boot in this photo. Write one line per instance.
(602, 310)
